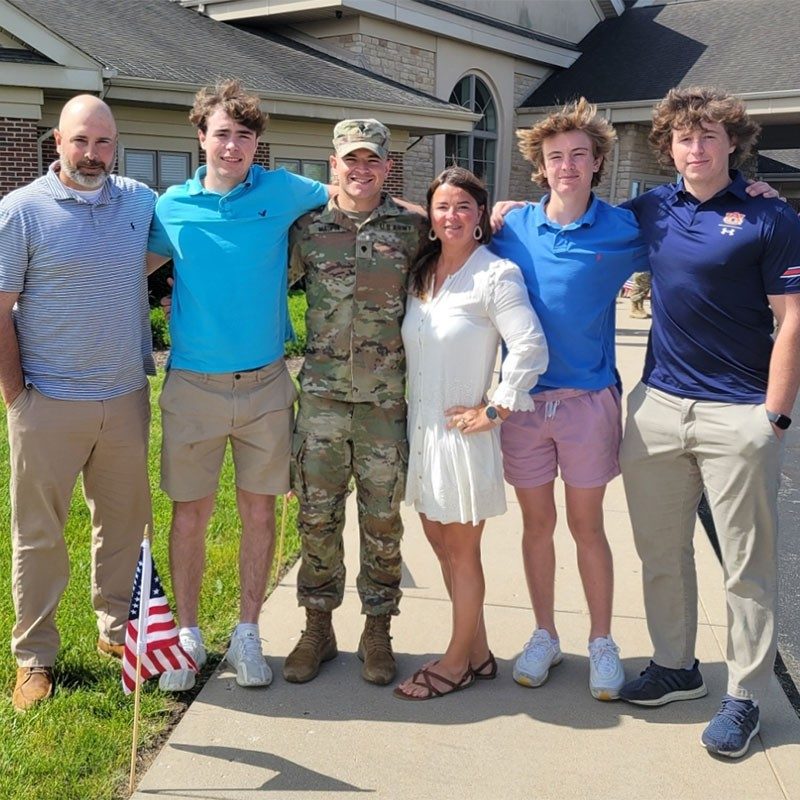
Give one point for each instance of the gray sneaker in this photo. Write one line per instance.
(606, 675)
(181, 680)
(246, 657)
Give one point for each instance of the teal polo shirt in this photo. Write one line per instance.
(229, 306)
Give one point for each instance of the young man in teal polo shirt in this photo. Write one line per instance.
(226, 230)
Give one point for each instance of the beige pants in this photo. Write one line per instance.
(52, 442)
(674, 448)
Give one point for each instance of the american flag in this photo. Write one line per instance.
(160, 647)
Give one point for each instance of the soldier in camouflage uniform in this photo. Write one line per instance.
(355, 254)
(641, 288)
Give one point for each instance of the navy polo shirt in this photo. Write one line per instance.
(713, 266)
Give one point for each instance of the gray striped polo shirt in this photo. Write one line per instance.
(82, 315)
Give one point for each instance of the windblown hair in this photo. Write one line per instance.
(580, 115)
(695, 105)
(429, 251)
(230, 96)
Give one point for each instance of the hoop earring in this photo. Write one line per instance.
(432, 235)
(477, 234)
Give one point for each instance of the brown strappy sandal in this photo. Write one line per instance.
(424, 677)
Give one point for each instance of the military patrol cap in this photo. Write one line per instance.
(355, 134)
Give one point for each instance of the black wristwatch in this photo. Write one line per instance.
(779, 420)
(493, 415)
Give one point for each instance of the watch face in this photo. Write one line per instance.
(491, 412)
(779, 420)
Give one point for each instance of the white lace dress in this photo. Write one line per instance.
(451, 344)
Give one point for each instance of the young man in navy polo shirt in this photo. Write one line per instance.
(713, 404)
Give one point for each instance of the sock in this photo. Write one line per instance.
(244, 628)
(194, 632)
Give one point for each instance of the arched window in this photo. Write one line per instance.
(477, 150)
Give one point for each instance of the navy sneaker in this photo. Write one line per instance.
(657, 686)
(733, 727)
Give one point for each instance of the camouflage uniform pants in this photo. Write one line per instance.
(641, 286)
(333, 442)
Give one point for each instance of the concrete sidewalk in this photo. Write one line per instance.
(340, 737)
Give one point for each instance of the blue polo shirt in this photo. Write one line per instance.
(714, 265)
(573, 275)
(229, 305)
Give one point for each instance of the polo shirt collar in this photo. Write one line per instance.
(586, 219)
(109, 191)
(196, 182)
(737, 187)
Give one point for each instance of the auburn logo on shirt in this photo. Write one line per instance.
(733, 218)
(731, 222)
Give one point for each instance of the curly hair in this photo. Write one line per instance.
(579, 115)
(428, 252)
(230, 96)
(695, 105)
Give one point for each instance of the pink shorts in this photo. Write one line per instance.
(575, 430)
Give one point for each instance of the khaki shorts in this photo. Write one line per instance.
(201, 411)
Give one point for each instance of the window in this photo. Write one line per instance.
(642, 185)
(477, 150)
(316, 170)
(159, 169)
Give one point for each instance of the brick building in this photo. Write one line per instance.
(454, 81)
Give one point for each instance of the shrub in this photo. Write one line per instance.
(297, 313)
(160, 328)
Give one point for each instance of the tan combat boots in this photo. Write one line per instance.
(317, 644)
(375, 650)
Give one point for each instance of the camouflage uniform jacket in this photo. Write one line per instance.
(356, 277)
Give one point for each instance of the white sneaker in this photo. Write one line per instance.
(181, 680)
(245, 656)
(606, 676)
(540, 653)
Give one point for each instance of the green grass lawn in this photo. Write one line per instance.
(77, 746)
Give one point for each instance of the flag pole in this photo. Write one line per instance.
(141, 647)
(281, 538)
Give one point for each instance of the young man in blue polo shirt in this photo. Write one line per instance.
(713, 404)
(226, 230)
(575, 251)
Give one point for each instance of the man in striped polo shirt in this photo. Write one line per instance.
(76, 350)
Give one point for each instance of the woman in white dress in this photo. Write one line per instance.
(462, 302)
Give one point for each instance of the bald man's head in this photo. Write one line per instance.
(86, 140)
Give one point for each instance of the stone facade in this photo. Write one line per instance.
(415, 68)
(520, 186)
(637, 162)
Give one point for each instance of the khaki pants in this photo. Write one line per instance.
(674, 448)
(52, 442)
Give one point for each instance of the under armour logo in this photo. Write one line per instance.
(727, 231)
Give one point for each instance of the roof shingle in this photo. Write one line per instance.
(740, 45)
(161, 40)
